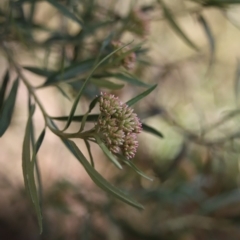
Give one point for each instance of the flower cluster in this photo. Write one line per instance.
(129, 60)
(118, 126)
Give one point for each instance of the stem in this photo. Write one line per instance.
(25, 81)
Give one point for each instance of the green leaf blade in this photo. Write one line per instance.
(151, 130)
(65, 11)
(108, 153)
(3, 88)
(28, 169)
(39, 71)
(98, 179)
(7, 108)
(140, 96)
(175, 26)
(103, 83)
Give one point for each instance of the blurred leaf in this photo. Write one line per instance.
(7, 108)
(237, 81)
(108, 153)
(149, 129)
(74, 106)
(129, 78)
(220, 3)
(28, 168)
(97, 178)
(132, 165)
(39, 71)
(221, 201)
(140, 96)
(210, 37)
(106, 84)
(69, 72)
(175, 26)
(65, 11)
(3, 88)
(63, 93)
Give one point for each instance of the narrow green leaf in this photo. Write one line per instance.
(69, 72)
(129, 78)
(74, 106)
(97, 178)
(3, 88)
(39, 71)
(151, 130)
(210, 37)
(175, 26)
(63, 92)
(90, 118)
(91, 106)
(93, 103)
(106, 84)
(89, 151)
(39, 141)
(135, 168)
(65, 11)
(7, 108)
(140, 96)
(28, 169)
(108, 153)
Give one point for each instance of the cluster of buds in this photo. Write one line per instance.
(129, 60)
(118, 126)
(140, 23)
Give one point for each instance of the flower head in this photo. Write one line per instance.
(129, 60)
(118, 126)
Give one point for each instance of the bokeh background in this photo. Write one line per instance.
(195, 168)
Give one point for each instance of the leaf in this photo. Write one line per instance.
(65, 11)
(106, 84)
(220, 3)
(175, 26)
(39, 71)
(237, 81)
(149, 129)
(134, 167)
(28, 169)
(89, 151)
(39, 141)
(74, 106)
(97, 178)
(220, 201)
(107, 152)
(129, 78)
(7, 108)
(3, 88)
(91, 106)
(140, 96)
(69, 72)
(90, 118)
(210, 37)
(63, 93)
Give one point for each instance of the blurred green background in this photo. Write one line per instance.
(195, 168)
